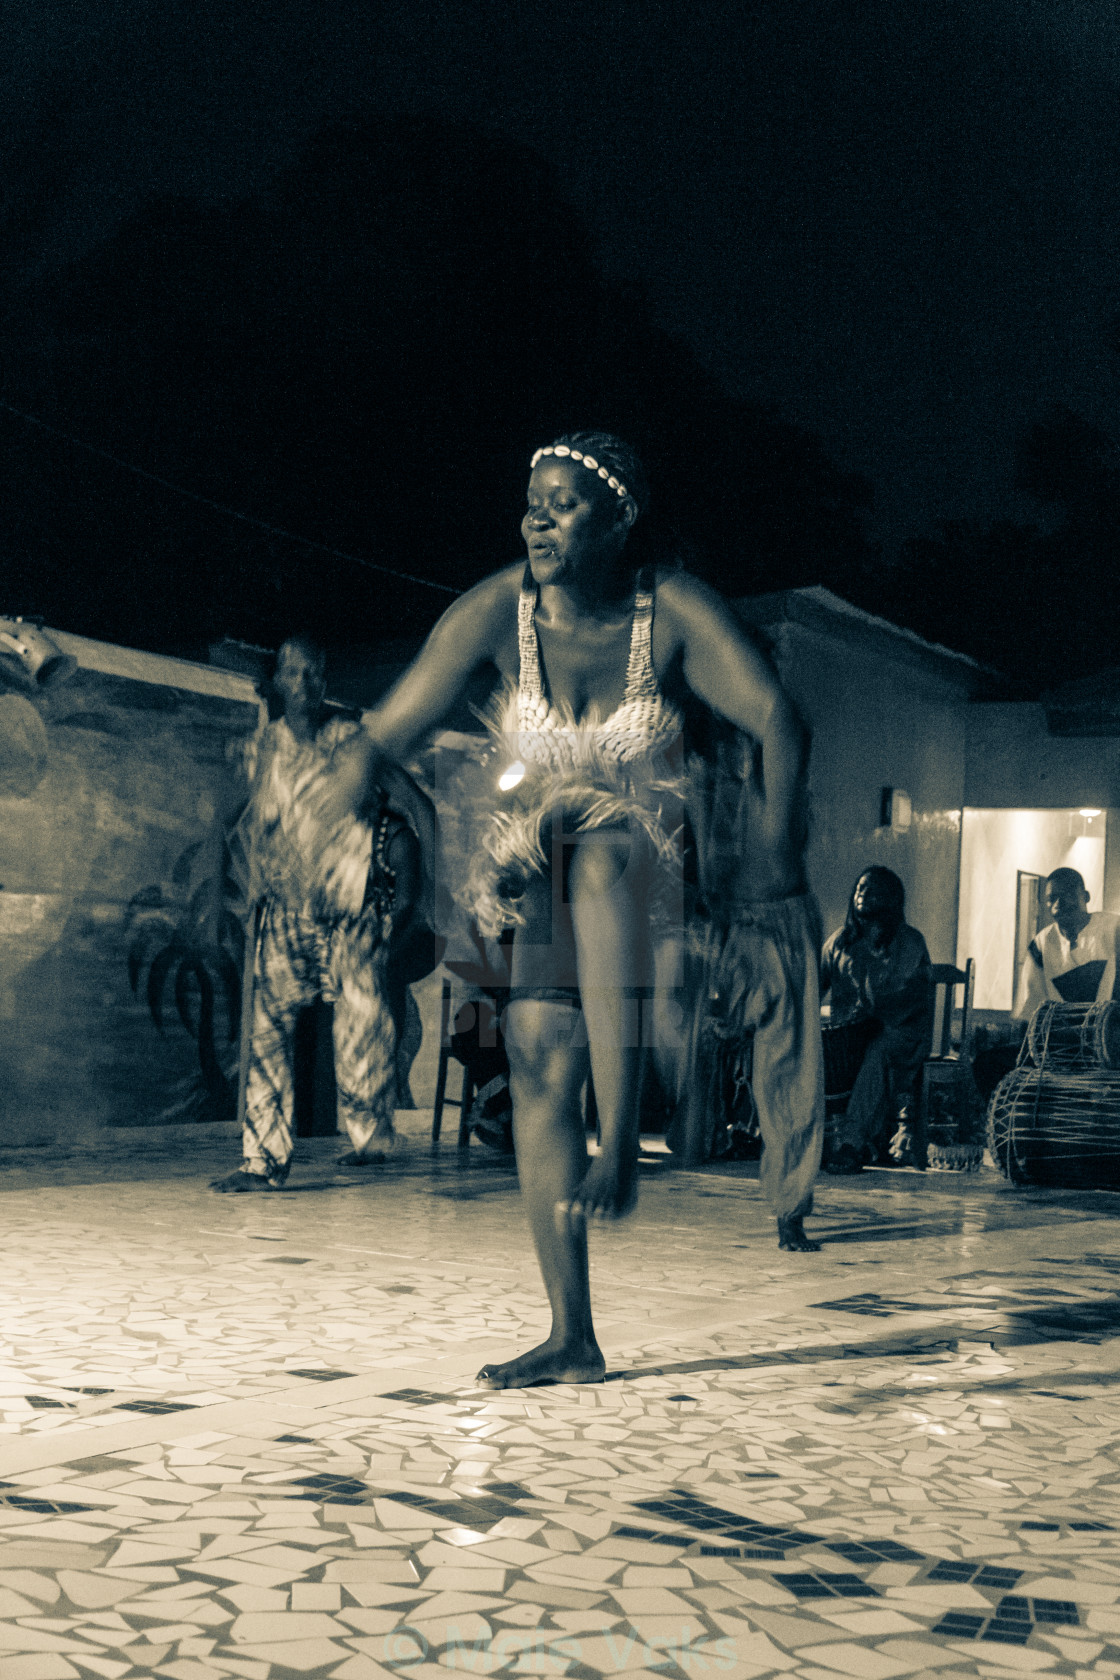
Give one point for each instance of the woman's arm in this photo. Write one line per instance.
(468, 634)
(828, 962)
(404, 794)
(901, 991)
(404, 861)
(731, 676)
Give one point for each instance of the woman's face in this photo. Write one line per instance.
(872, 900)
(573, 523)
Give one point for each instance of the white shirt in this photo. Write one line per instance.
(1050, 955)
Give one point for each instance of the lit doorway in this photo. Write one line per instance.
(1029, 913)
(1005, 857)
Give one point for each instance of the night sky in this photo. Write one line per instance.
(897, 222)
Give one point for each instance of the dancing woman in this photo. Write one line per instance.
(596, 661)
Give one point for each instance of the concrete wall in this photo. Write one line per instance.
(1012, 761)
(880, 718)
(105, 783)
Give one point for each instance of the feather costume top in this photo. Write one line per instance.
(644, 723)
(597, 772)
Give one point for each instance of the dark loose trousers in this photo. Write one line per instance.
(762, 979)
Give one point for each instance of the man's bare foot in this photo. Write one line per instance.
(549, 1363)
(381, 1146)
(609, 1190)
(844, 1160)
(791, 1235)
(240, 1183)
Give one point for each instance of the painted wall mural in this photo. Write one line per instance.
(115, 795)
(187, 939)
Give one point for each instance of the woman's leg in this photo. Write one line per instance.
(608, 901)
(670, 1028)
(782, 952)
(869, 1105)
(608, 889)
(548, 1065)
(907, 1047)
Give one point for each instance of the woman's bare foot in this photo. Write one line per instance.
(242, 1183)
(549, 1363)
(791, 1235)
(608, 1190)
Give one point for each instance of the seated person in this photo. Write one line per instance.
(1073, 958)
(876, 968)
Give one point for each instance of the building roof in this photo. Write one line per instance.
(1086, 705)
(159, 668)
(817, 608)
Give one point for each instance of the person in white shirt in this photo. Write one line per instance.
(1074, 958)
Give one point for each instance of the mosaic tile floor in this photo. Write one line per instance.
(240, 1437)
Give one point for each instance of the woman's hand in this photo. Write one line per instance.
(403, 794)
(723, 668)
(343, 793)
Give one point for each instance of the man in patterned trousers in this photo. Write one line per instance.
(325, 913)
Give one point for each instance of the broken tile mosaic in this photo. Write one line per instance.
(263, 1475)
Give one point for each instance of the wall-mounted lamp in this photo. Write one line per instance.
(29, 658)
(1085, 824)
(895, 810)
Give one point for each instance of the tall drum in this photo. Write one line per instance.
(1075, 1035)
(845, 1046)
(1059, 1128)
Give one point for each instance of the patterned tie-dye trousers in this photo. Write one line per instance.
(300, 958)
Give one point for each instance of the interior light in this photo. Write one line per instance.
(1087, 811)
(895, 810)
(510, 778)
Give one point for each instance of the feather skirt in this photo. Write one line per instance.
(496, 838)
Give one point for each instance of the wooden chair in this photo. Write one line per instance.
(466, 1093)
(944, 975)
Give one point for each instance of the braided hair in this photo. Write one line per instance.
(612, 452)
